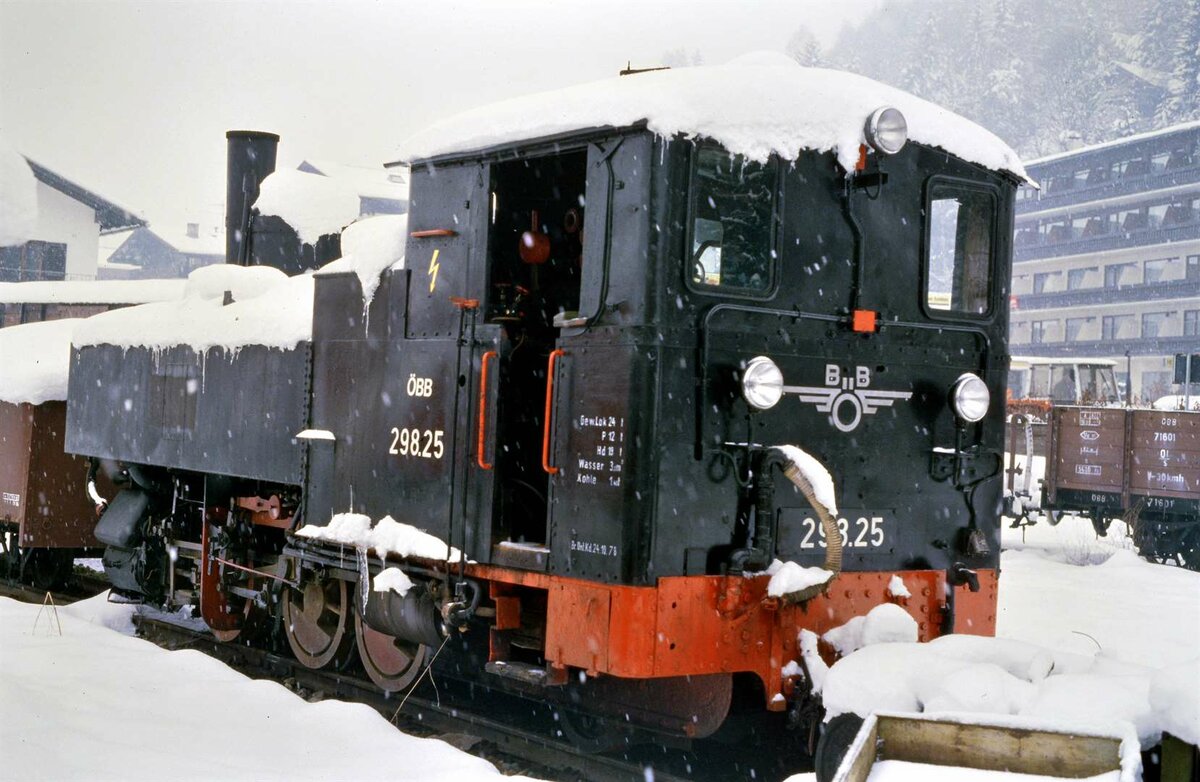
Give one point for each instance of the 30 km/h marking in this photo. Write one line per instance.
(433, 270)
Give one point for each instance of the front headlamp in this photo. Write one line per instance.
(762, 383)
(970, 398)
(886, 130)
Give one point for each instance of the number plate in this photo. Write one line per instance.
(868, 531)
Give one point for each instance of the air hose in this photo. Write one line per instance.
(833, 537)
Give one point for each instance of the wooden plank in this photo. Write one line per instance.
(997, 748)
(864, 760)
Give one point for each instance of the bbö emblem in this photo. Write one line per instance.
(845, 398)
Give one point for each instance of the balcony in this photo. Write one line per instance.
(1155, 291)
(1085, 194)
(1101, 348)
(1032, 247)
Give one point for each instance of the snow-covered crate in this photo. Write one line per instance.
(228, 412)
(1007, 746)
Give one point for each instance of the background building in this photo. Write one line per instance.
(65, 235)
(1107, 256)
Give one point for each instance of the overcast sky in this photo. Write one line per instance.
(132, 99)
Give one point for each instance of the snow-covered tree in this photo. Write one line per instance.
(804, 49)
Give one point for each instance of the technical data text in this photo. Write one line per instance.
(600, 455)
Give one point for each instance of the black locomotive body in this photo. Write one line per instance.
(578, 380)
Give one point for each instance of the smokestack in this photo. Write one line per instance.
(251, 158)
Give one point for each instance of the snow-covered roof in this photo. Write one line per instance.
(1183, 126)
(201, 320)
(18, 197)
(109, 215)
(755, 105)
(90, 292)
(210, 241)
(369, 182)
(36, 358)
(198, 317)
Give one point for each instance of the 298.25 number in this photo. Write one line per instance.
(423, 443)
(861, 533)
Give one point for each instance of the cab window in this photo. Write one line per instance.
(959, 249)
(732, 226)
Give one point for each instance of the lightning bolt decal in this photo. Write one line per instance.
(433, 270)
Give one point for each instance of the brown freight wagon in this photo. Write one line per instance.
(1142, 466)
(46, 516)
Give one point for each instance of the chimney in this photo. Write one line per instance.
(251, 158)
(193, 230)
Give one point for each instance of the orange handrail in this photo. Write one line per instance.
(483, 392)
(554, 354)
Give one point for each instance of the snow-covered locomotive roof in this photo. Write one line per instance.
(755, 105)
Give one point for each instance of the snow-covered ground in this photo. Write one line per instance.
(96, 704)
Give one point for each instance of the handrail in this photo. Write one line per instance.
(483, 392)
(554, 354)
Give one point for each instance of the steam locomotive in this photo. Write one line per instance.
(577, 386)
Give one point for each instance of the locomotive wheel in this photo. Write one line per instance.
(316, 621)
(588, 733)
(391, 663)
(834, 743)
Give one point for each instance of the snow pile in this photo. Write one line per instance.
(392, 580)
(755, 105)
(388, 536)
(1175, 695)
(242, 282)
(312, 204)
(815, 473)
(789, 578)
(1177, 402)
(913, 677)
(36, 359)
(1105, 606)
(91, 292)
(885, 623)
(897, 588)
(370, 247)
(18, 197)
(98, 611)
(269, 308)
(92, 704)
(961, 674)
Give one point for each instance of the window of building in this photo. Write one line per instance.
(1154, 324)
(1074, 327)
(959, 251)
(1192, 270)
(1158, 163)
(1116, 327)
(33, 261)
(1191, 323)
(733, 222)
(1157, 215)
(1041, 282)
(1039, 331)
(1078, 278)
(1132, 219)
(1155, 270)
(1113, 274)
